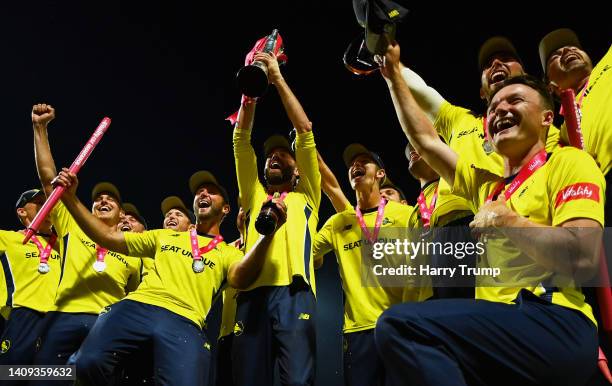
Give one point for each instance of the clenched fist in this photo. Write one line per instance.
(42, 114)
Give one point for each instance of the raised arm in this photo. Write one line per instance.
(244, 154)
(331, 187)
(42, 114)
(244, 272)
(107, 236)
(294, 109)
(428, 98)
(416, 125)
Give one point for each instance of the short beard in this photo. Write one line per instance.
(214, 212)
(286, 176)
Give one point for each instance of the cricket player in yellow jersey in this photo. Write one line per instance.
(453, 227)
(30, 291)
(345, 233)
(533, 333)
(169, 308)
(92, 276)
(567, 66)
(464, 130)
(131, 220)
(176, 215)
(275, 317)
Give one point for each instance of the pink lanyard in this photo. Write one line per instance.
(526, 171)
(100, 265)
(379, 218)
(197, 252)
(427, 211)
(43, 266)
(282, 196)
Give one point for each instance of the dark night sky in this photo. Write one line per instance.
(164, 72)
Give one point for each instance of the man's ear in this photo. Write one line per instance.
(21, 212)
(380, 175)
(226, 209)
(548, 117)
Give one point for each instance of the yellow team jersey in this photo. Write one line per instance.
(290, 252)
(568, 186)
(342, 234)
(463, 131)
(81, 288)
(228, 315)
(429, 191)
(23, 285)
(596, 112)
(173, 284)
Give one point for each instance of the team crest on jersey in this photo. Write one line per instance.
(238, 328)
(581, 190)
(386, 221)
(105, 310)
(304, 316)
(207, 346)
(6, 345)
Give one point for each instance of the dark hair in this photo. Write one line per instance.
(531, 82)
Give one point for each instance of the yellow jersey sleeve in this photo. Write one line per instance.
(448, 118)
(323, 241)
(230, 256)
(308, 166)
(142, 244)
(246, 168)
(577, 187)
(61, 219)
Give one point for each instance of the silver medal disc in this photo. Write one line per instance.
(43, 268)
(99, 266)
(198, 266)
(486, 145)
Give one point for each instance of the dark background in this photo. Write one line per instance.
(164, 72)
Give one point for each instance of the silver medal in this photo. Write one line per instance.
(198, 266)
(99, 266)
(486, 145)
(43, 268)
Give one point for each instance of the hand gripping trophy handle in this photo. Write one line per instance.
(253, 79)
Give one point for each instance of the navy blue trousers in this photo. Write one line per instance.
(62, 336)
(458, 342)
(180, 351)
(362, 366)
(275, 324)
(224, 361)
(21, 337)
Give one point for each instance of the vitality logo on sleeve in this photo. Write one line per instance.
(581, 190)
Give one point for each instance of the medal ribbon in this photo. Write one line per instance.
(100, 253)
(427, 211)
(282, 196)
(46, 251)
(195, 248)
(536, 162)
(379, 217)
